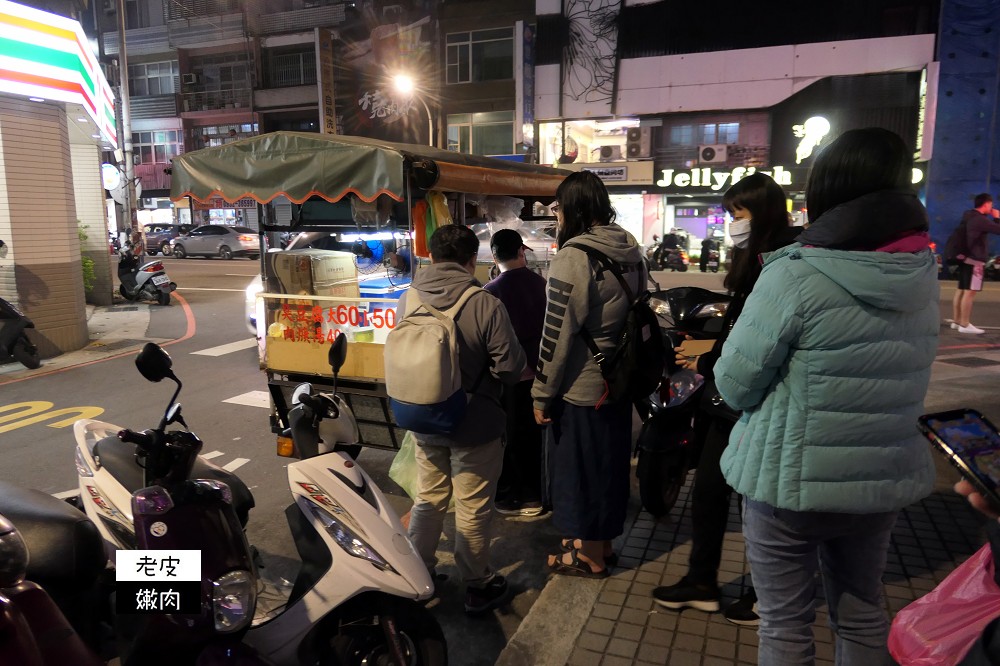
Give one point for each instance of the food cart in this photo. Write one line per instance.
(364, 189)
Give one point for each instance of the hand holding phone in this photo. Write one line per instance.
(972, 445)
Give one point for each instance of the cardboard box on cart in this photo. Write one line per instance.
(318, 272)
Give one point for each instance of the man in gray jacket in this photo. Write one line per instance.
(468, 461)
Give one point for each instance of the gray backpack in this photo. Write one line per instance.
(422, 373)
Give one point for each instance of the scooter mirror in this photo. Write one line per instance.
(338, 353)
(153, 363)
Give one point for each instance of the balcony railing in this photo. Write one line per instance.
(292, 69)
(213, 100)
(152, 177)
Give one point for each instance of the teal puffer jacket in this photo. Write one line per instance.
(830, 362)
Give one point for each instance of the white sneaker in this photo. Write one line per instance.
(971, 329)
(954, 326)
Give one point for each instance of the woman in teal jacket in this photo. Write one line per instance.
(830, 362)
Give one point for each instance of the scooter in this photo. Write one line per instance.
(673, 259)
(666, 447)
(147, 282)
(710, 262)
(33, 631)
(356, 598)
(15, 345)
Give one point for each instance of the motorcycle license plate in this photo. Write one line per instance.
(160, 280)
(713, 264)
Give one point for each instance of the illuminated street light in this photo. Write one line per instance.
(405, 85)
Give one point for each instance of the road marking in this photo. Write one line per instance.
(227, 348)
(66, 493)
(235, 464)
(253, 398)
(36, 411)
(211, 454)
(208, 289)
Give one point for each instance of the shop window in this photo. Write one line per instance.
(152, 78)
(482, 133)
(157, 147)
(480, 55)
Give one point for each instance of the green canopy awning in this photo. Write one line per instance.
(300, 165)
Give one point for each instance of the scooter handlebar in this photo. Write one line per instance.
(143, 439)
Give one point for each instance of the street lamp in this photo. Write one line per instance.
(405, 86)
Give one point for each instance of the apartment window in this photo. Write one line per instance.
(217, 135)
(223, 72)
(482, 133)
(290, 68)
(681, 135)
(480, 55)
(152, 78)
(715, 133)
(134, 15)
(157, 147)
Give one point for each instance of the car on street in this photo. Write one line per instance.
(158, 236)
(216, 240)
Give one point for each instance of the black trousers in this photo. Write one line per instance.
(521, 477)
(710, 499)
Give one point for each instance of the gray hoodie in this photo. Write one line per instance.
(581, 297)
(485, 337)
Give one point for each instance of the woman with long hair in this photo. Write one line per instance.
(830, 362)
(588, 441)
(760, 224)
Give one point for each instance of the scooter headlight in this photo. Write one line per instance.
(347, 539)
(233, 598)
(712, 310)
(660, 307)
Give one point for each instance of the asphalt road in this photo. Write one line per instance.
(222, 403)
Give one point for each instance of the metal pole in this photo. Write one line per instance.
(430, 122)
(130, 198)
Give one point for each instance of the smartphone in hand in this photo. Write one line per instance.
(972, 444)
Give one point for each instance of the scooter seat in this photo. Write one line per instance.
(65, 550)
(118, 458)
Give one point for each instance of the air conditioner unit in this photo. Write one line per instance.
(189, 79)
(638, 141)
(110, 6)
(610, 153)
(715, 154)
(147, 204)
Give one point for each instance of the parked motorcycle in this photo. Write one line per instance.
(15, 345)
(356, 597)
(33, 631)
(666, 447)
(673, 259)
(147, 282)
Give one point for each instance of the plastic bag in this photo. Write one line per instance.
(404, 468)
(939, 628)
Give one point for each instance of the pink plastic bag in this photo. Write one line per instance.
(939, 628)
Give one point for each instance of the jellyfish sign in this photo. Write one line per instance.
(812, 132)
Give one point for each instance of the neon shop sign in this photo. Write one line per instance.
(716, 180)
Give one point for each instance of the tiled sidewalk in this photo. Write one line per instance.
(626, 627)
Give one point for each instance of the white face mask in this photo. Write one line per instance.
(739, 231)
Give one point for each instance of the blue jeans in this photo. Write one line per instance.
(786, 549)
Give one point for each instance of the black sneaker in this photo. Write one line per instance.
(481, 599)
(744, 611)
(685, 594)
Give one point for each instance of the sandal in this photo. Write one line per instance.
(610, 560)
(577, 567)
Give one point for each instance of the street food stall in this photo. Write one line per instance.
(378, 202)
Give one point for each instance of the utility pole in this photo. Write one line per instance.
(126, 131)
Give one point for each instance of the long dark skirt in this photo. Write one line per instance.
(588, 463)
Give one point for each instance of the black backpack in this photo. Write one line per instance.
(957, 244)
(635, 367)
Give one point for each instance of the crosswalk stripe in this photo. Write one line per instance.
(211, 454)
(235, 464)
(227, 348)
(253, 398)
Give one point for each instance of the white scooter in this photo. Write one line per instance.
(357, 597)
(148, 282)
